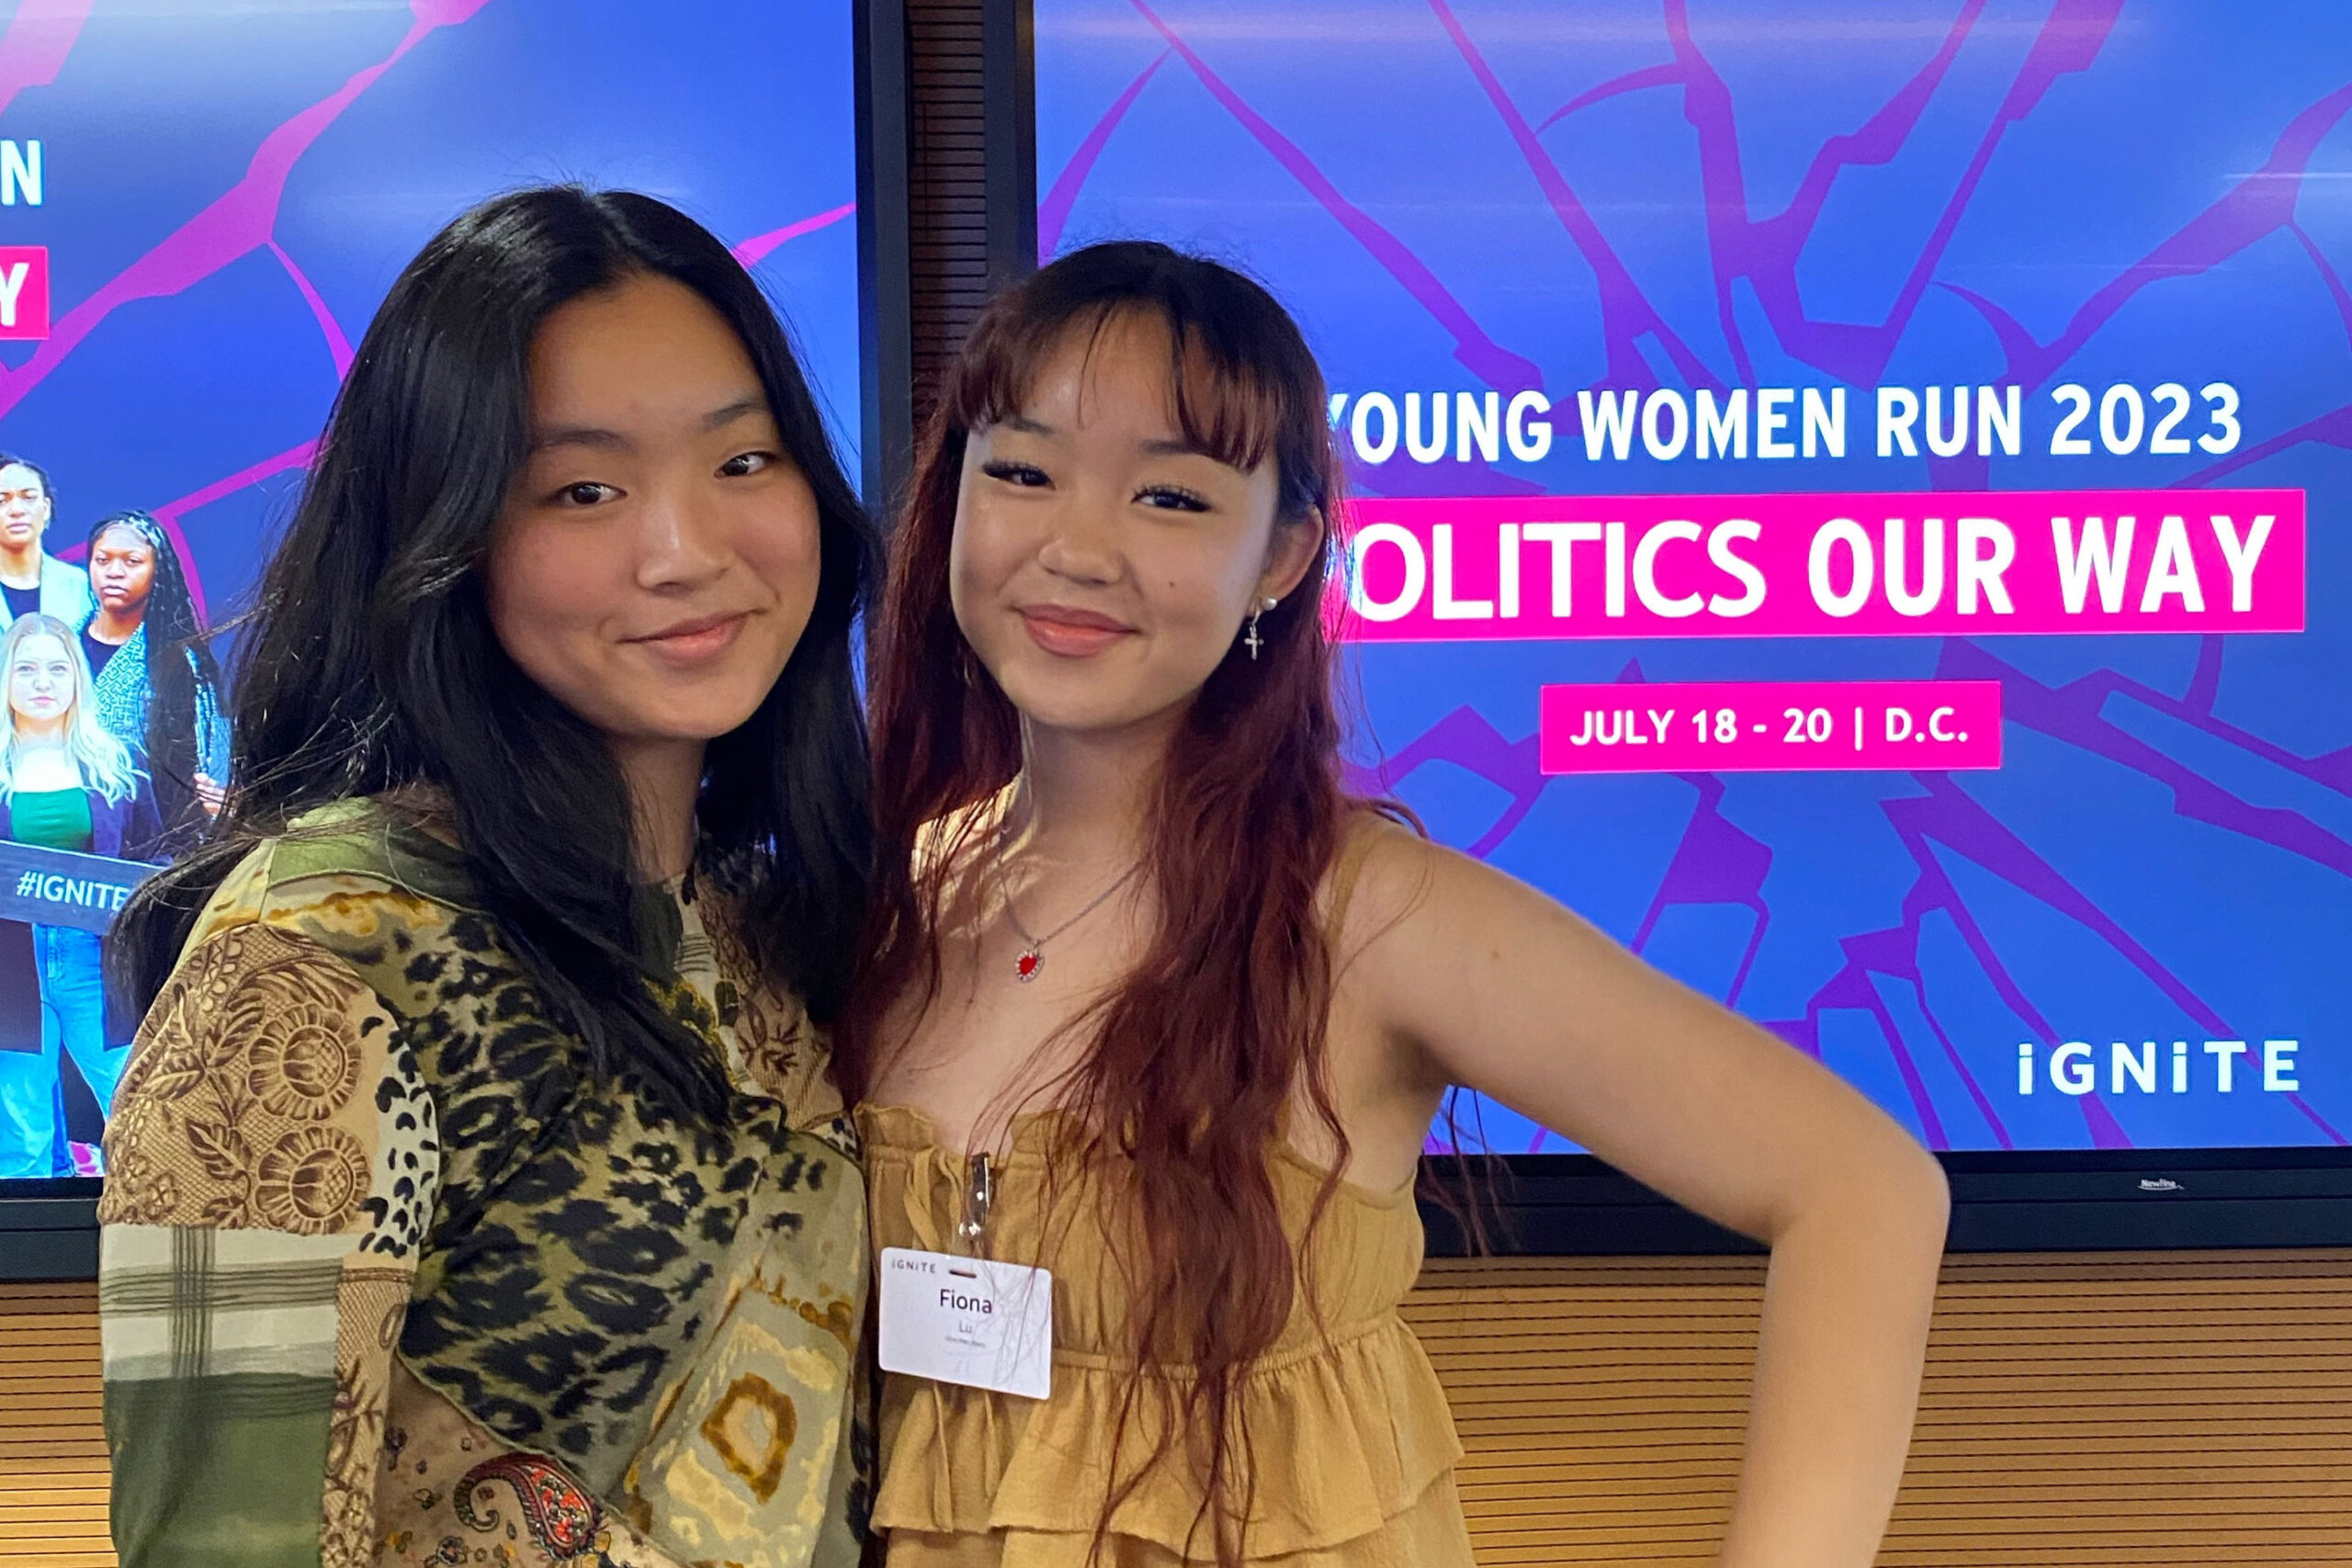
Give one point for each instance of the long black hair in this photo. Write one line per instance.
(179, 665)
(371, 667)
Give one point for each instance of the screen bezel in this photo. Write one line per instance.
(1576, 1206)
(1530, 1205)
(49, 1228)
(2052, 1200)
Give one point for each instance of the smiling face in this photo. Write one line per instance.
(1102, 567)
(24, 507)
(123, 571)
(41, 684)
(657, 557)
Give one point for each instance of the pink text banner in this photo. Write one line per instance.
(1941, 563)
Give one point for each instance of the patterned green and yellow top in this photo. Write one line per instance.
(388, 1276)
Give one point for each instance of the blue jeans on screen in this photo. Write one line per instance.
(72, 1022)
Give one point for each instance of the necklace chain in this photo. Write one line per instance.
(1032, 955)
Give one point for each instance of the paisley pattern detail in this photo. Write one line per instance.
(250, 1295)
(562, 1520)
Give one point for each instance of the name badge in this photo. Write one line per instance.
(967, 1321)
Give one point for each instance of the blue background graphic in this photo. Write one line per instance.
(247, 179)
(1460, 194)
(229, 185)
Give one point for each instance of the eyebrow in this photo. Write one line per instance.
(720, 418)
(1175, 446)
(1178, 448)
(614, 440)
(580, 435)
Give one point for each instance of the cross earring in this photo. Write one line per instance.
(1251, 638)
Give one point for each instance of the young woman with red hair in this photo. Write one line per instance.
(1154, 1003)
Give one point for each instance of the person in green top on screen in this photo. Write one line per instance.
(33, 581)
(65, 784)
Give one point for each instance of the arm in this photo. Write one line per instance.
(211, 741)
(271, 1166)
(142, 826)
(1479, 980)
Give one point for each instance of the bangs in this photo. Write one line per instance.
(1227, 398)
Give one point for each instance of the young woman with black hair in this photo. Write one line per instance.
(1155, 1003)
(158, 687)
(33, 581)
(478, 1189)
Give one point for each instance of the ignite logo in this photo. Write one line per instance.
(24, 291)
(2223, 1067)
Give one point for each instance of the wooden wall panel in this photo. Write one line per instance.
(947, 184)
(52, 1447)
(2106, 1411)
(2079, 1411)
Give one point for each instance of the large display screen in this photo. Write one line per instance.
(200, 206)
(1850, 497)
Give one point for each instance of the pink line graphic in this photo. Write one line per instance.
(756, 249)
(1053, 212)
(1485, 358)
(242, 219)
(236, 223)
(337, 345)
(34, 48)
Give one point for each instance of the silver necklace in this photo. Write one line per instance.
(1033, 953)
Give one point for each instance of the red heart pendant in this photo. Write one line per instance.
(1028, 965)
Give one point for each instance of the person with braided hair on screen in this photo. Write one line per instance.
(157, 685)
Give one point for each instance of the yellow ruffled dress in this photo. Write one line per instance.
(1353, 1445)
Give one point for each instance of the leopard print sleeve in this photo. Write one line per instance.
(273, 1163)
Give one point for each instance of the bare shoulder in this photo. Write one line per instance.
(1407, 889)
(1379, 875)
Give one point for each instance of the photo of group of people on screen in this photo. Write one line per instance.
(117, 745)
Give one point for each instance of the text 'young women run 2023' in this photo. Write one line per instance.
(201, 206)
(1850, 498)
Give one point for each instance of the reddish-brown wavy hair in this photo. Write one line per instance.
(1190, 1065)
